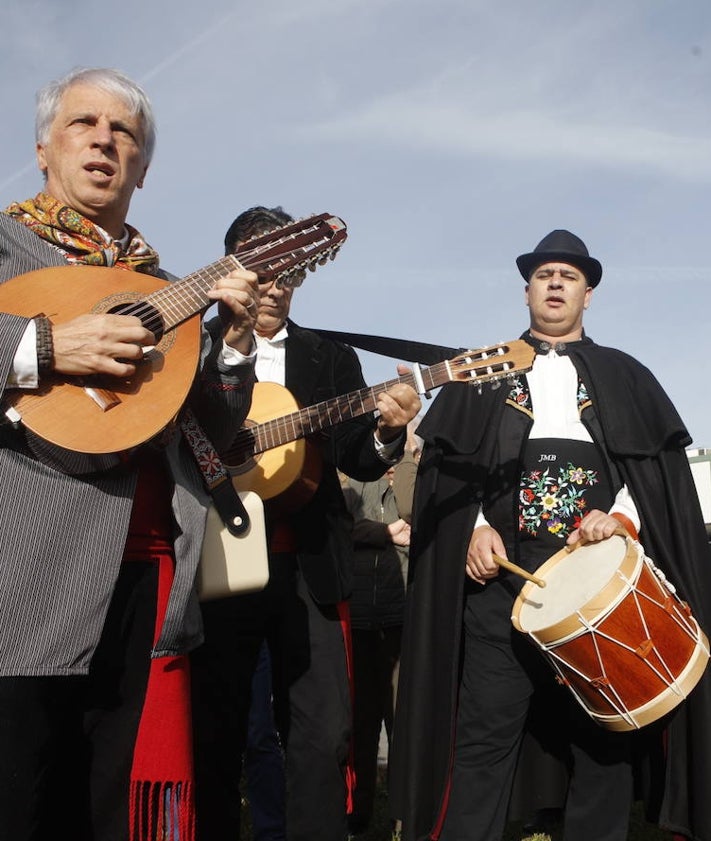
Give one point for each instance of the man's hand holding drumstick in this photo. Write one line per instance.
(486, 553)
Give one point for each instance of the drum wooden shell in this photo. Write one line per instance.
(614, 631)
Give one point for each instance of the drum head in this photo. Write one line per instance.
(573, 578)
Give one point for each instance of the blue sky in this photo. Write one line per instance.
(450, 135)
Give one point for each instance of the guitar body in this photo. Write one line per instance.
(98, 415)
(101, 414)
(286, 475)
(275, 454)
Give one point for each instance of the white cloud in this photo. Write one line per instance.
(605, 87)
(459, 128)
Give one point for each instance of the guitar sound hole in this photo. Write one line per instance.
(241, 457)
(150, 317)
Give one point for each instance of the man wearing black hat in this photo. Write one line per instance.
(598, 425)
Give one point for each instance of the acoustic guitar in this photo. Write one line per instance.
(104, 414)
(272, 454)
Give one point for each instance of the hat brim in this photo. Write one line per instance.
(589, 266)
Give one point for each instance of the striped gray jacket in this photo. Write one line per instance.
(63, 522)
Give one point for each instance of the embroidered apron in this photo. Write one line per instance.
(561, 480)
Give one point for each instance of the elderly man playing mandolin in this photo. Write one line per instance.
(99, 548)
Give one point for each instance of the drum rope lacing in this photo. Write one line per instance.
(601, 683)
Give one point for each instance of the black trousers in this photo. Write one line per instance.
(66, 743)
(376, 657)
(311, 697)
(501, 671)
(264, 759)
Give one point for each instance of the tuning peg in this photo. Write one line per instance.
(495, 383)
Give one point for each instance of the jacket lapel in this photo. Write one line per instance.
(304, 361)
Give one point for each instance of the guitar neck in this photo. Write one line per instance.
(284, 254)
(491, 364)
(319, 416)
(183, 299)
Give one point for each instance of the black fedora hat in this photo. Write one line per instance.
(561, 247)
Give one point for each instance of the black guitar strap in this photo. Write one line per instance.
(409, 351)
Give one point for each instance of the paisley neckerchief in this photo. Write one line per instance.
(80, 240)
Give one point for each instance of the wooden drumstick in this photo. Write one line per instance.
(502, 562)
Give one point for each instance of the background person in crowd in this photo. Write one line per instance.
(264, 770)
(381, 539)
(403, 479)
(98, 553)
(583, 443)
(302, 609)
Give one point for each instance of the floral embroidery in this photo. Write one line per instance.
(519, 394)
(554, 500)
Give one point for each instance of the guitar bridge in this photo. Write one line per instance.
(103, 397)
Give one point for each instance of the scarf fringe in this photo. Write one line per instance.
(161, 794)
(161, 811)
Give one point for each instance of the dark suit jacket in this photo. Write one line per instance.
(317, 369)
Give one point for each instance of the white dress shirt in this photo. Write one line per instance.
(553, 385)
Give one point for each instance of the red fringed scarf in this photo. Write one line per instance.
(162, 806)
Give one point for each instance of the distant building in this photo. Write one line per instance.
(700, 461)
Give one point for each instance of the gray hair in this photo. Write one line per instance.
(106, 79)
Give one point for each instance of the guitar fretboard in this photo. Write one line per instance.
(291, 427)
(181, 300)
(294, 248)
(475, 366)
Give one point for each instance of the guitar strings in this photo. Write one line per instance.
(251, 258)
(148, 313)
(148, 310)
(267, 433)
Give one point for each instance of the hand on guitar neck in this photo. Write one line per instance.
(271, 453)
(238, 298)
(396, 407)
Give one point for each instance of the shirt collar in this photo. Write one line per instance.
(279, 336)
(561, 348)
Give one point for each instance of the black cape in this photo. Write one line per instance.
(645, 439)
